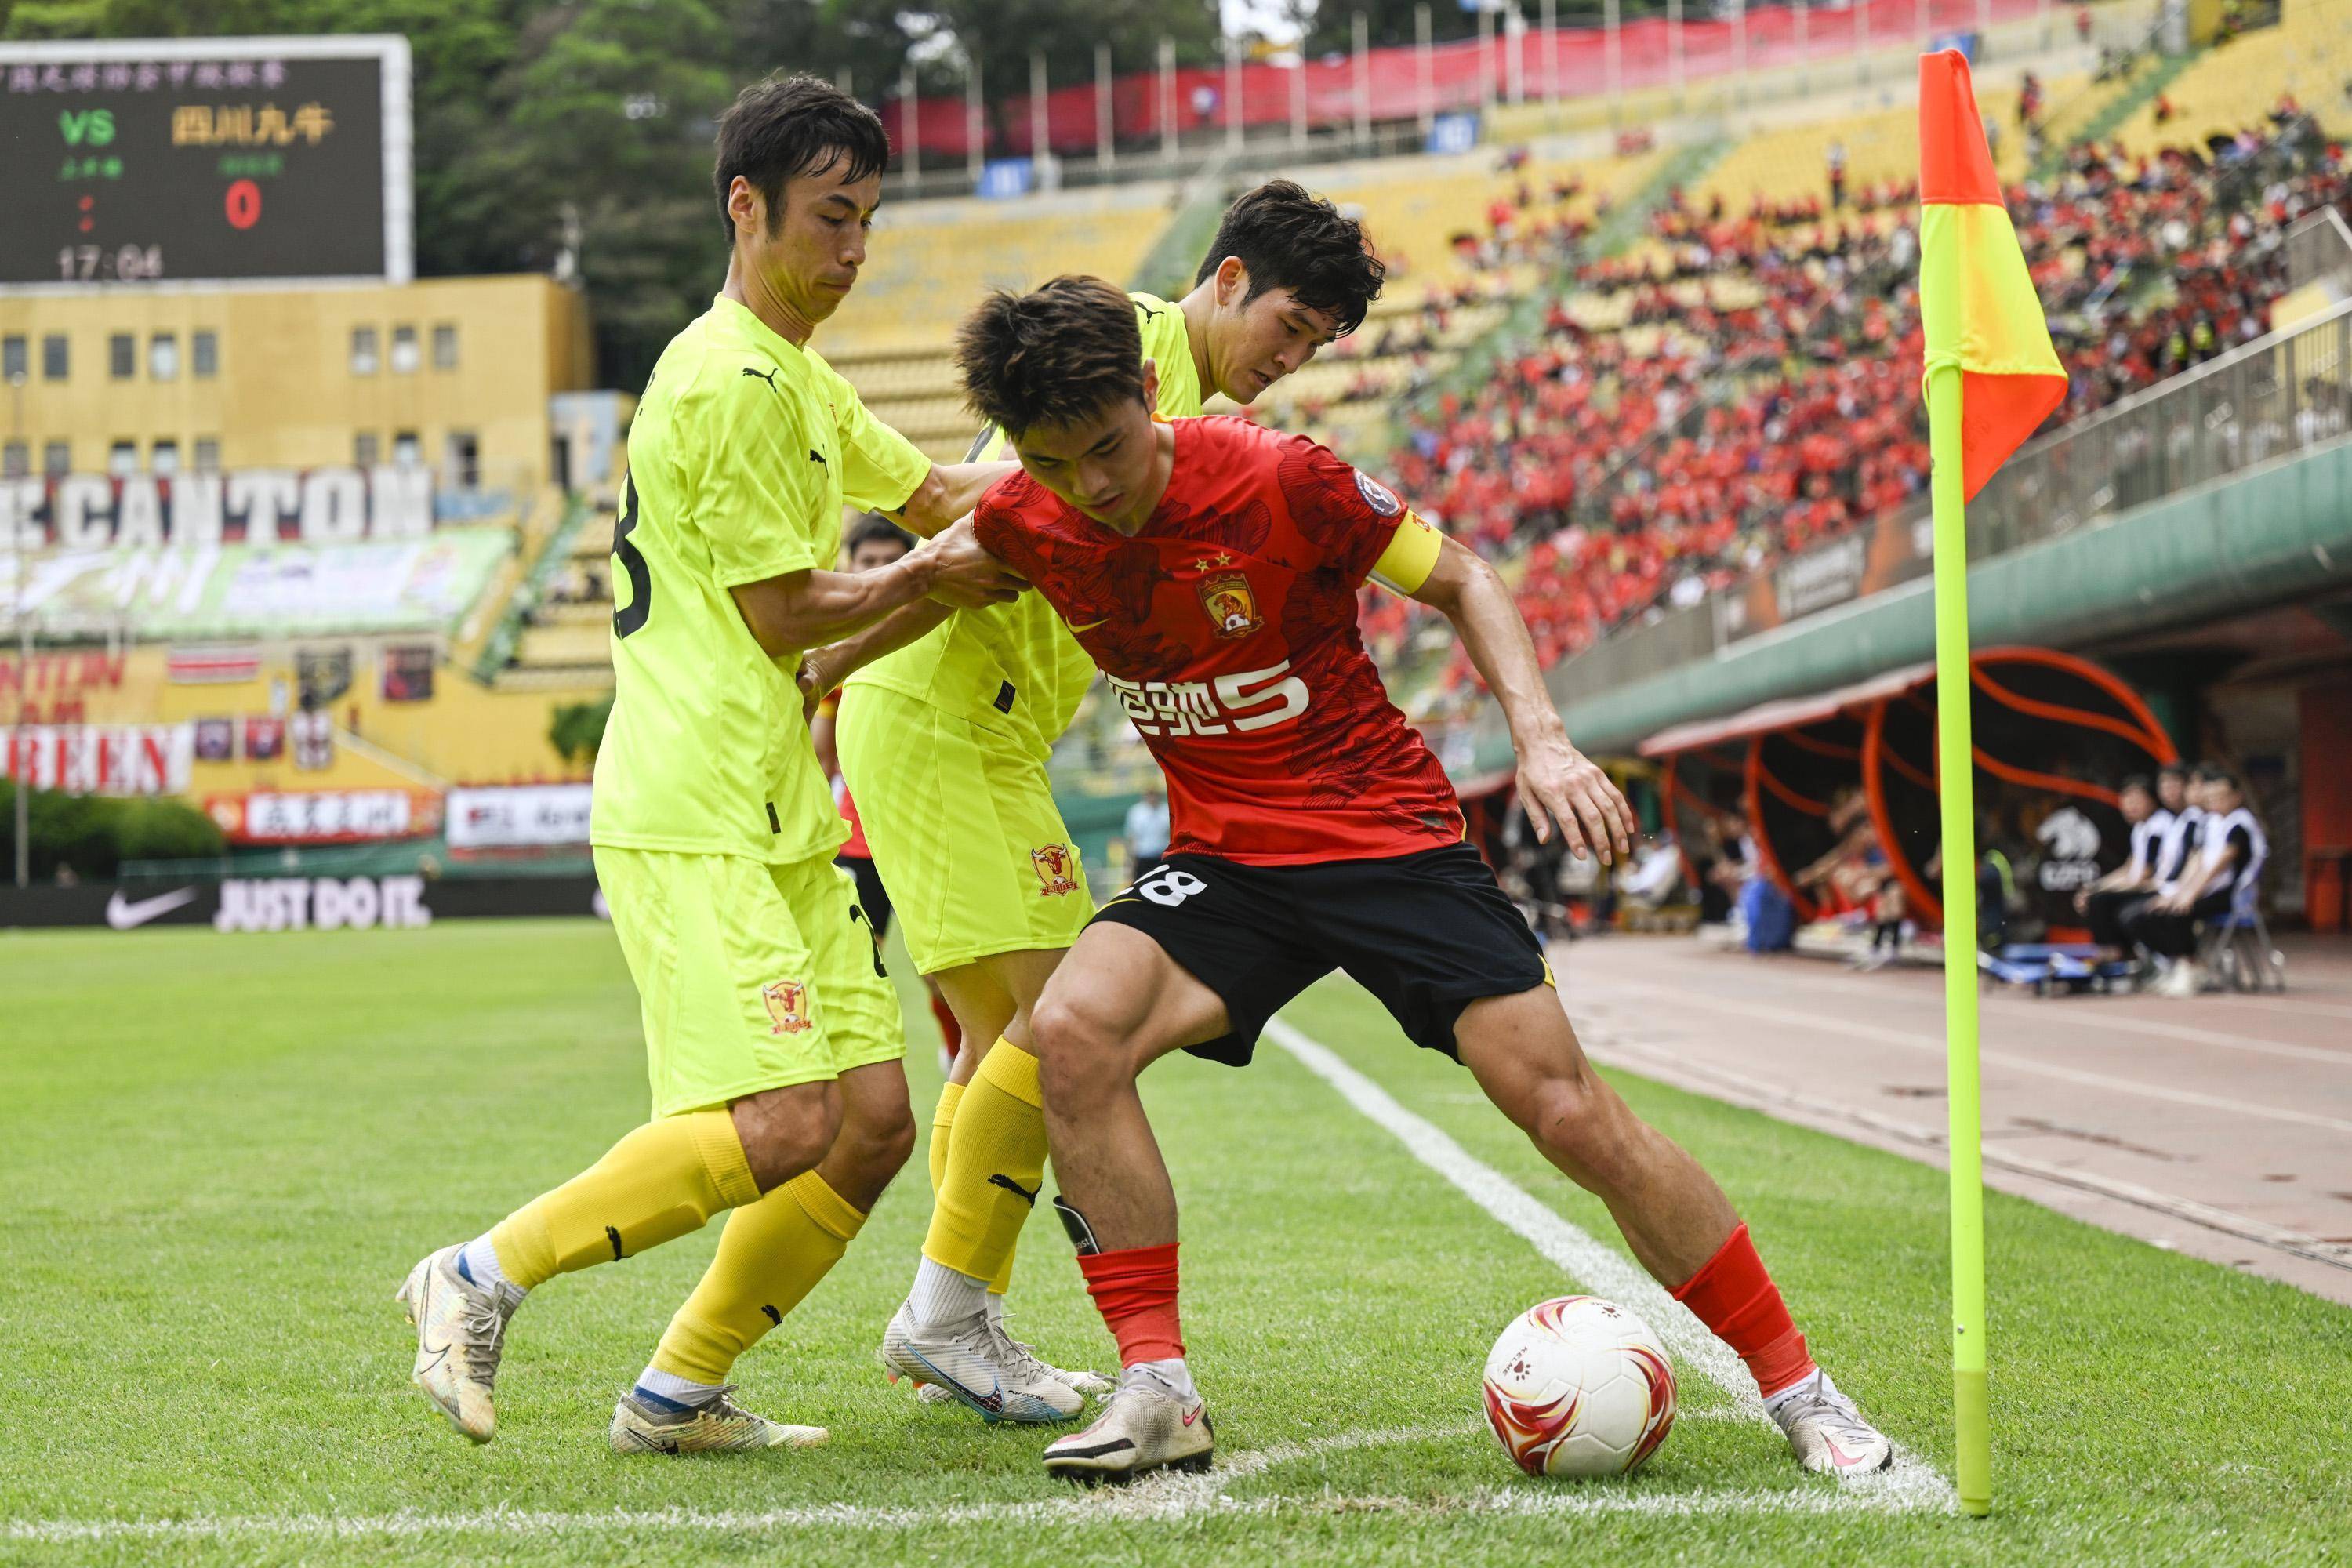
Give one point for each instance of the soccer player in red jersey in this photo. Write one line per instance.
(1211, 567)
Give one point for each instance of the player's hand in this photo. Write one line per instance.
(815, 681)
(962, 573)
(2082, 902)
(1558, 784)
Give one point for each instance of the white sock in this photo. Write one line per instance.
(994, 1306)
(1172, 1375)
(676, 1389)
(1815, 1381)
(942, 1297)
(478, 1261)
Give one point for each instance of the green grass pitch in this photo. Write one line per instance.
(221, 1153)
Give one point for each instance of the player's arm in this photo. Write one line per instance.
(822, 670)
(946, 492)
(805, 609)
(1558, 783)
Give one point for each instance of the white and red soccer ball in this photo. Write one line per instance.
(1579, 1387)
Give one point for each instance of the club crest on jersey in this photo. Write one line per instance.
(1054, 862)
(787, 1003)
(1233, 608)
(1378, 495)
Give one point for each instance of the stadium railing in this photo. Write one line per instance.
(2271, 398)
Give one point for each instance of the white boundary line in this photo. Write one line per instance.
(1909, 1484)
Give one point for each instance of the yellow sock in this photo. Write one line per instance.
(942, 1123)
(660, 1181)
(771, 1254)
(999, 1147)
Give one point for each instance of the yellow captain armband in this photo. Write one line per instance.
(1411, 557)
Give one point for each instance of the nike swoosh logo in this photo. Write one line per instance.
(438, 1353)
(1193, 1414)
(123, 914)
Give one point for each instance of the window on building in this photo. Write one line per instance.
(465, 459)
(204, 355)
(121, 356)
(122, 458)
(164, 356)
(444, 346)
(54, 359)
(406, 449)
(163, 458)
(15, 460)
(403, 351)
(364, 450)
(208, 453)
(362, 351)
(57, 457)
(15, 358)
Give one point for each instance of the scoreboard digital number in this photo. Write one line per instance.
(179, 160)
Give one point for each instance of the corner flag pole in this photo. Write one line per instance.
(1955, 788)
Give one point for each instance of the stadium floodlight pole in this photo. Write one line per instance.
(1485, 60)
(1739, 50)
(1674, 50)
(1167, 99)
(1862, 41)
(1040, 155)
(911, 131)
(1299, 101)
(1612, 28)
(1551, 21)
(1106, 155)
(975, 123)
(1515, 54)
(1363, 40)
(1986, 343)
(1423, 68)
(1232, 91)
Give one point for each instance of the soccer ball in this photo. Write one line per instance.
(1579, 1387)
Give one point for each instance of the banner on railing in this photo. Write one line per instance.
(518, 816)
(101, 759)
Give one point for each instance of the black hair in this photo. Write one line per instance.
(2139, 782)
(1289, 238)
(787, 126)
(1060, 354)
(875, 529)
(2214, 772)
(2173, 771)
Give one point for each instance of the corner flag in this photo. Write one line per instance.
(1991, 377)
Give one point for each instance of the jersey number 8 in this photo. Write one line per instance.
(630, 616)
(1168, 888)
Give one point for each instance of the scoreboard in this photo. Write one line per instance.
(204, 159)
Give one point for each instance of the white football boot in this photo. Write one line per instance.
(1144, 1427)
(1828, 1434)
(461, 1327)
(979, 1367)
(719, 1425)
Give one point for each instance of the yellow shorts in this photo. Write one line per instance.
(752, 976)
(965, 831)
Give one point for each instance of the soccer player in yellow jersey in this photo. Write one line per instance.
(944, 744)
(773, 1039)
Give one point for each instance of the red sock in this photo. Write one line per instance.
(950, 1031)
(1135, 1290)
(1736, 1298)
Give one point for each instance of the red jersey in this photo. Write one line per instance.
(1227, 627)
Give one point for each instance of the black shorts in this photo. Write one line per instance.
(1427, 933)
(872, 896)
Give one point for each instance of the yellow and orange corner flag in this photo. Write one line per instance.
(1976, 299)
(1992, 377)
